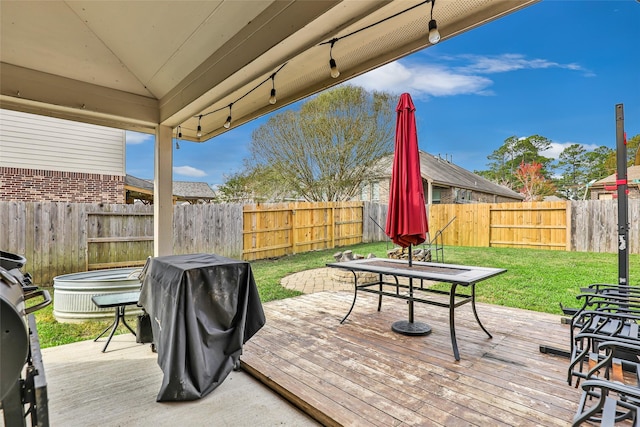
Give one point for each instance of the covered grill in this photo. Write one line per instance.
(20, 395)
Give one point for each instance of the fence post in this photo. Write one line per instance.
(568, 229)
(293, 231)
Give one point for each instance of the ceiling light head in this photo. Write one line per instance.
(335, 73)
(272, 98)
(199, 134)
(434, 34)
(179, 132)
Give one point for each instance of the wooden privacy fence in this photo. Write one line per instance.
(60, 238)
(583, 226)
(275, 230)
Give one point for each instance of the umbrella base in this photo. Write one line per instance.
(405, 327)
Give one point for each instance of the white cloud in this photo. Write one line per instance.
(453, 75)
(188, 171)
(134, 138)
(422, 80)
(558, 147)
(510, 62)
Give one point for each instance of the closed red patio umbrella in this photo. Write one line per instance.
(407, 215)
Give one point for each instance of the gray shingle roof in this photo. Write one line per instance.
(440, 171)
(183, 189)
(193, 190)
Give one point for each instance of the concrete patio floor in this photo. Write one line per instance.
(83, 384)
(79, 389)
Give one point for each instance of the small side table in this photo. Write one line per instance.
(119, 301)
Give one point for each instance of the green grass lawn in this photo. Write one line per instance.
(535, 280)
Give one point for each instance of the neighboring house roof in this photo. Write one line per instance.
(182, 190)
(192, 190)
(633, 177)
(443, 172)
(139, 183)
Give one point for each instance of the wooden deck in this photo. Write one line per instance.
(361, 373)
(356, 374)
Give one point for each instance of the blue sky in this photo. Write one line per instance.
(556, 69)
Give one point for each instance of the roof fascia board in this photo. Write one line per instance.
(32, 91)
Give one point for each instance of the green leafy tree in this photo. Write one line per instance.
(260, 184)
(327, 149)
(505, 161)
(633, 156)
(633, 153)
(572, 165)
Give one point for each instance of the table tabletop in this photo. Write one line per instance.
(452, 273)
(115, 300)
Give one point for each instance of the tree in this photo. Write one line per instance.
(571, 163)
(580, 167)
(505, 161)
(533, 184)
(633, 154)
(325, 151)
(260, 184)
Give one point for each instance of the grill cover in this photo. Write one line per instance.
(203, 308)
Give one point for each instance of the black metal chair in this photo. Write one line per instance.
(608, 313)
(609, 395)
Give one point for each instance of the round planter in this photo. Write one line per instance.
(72, 293)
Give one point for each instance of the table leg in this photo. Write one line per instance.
(355, 294)
(380, 294)
(119, 314)
(114, 324)
(475, 313)
(124, 321)
(452, 321)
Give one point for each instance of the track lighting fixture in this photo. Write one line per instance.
(179, 136)
(199, 134)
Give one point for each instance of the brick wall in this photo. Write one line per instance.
(35, 185)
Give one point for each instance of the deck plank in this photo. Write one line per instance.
(362, 373)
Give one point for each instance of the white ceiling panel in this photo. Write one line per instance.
(137, 64)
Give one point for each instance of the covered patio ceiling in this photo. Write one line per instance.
(139, 64)
(152, 66)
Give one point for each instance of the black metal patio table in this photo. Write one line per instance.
(455, 275)
(119, 301)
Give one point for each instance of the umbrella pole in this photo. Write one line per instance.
(410, 327)
(410, 285)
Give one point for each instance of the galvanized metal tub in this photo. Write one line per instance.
(72, 293)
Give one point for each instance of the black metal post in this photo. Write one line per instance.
(409, 327)
(410, 286)
(623, 207)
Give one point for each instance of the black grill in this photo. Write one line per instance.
(23, 387)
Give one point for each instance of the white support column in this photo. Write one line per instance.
(429, 192)
(163, 193)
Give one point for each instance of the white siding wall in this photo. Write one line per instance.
(40, 142)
